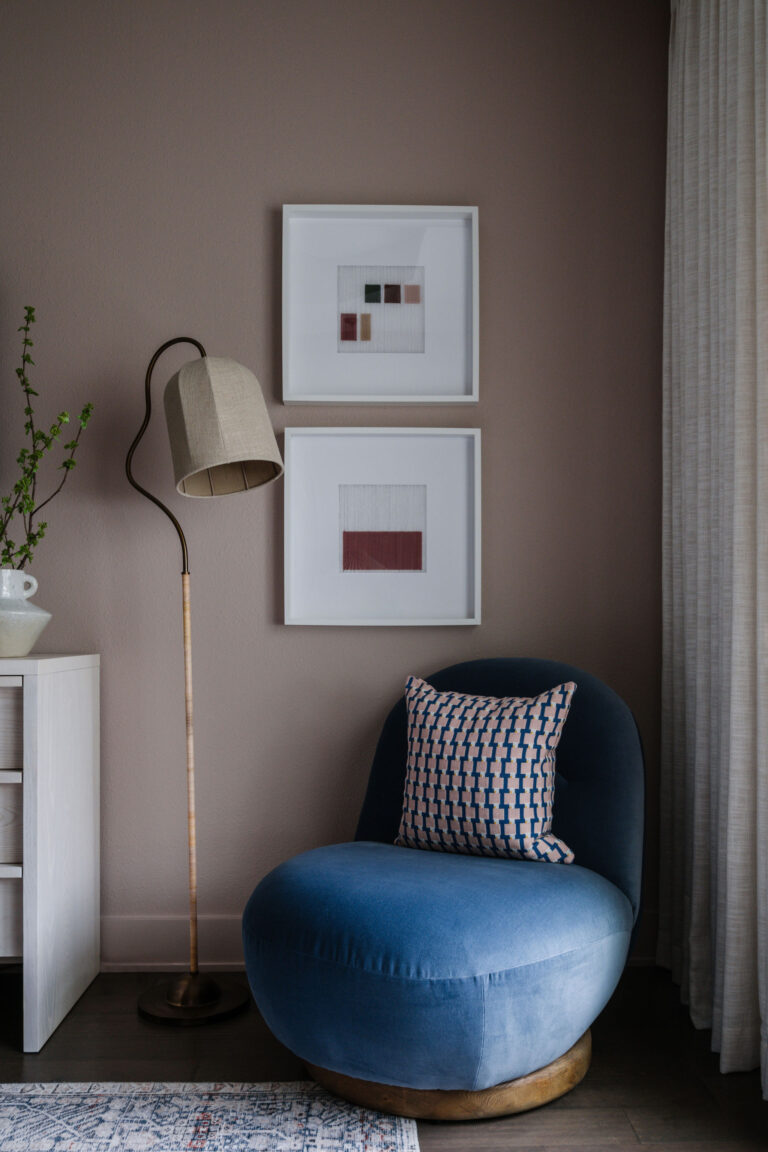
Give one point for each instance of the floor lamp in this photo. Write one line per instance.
(221, 442)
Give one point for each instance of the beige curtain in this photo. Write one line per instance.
(714, 866)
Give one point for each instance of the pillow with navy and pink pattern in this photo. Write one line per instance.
(481, 772)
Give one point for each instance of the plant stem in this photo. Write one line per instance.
(20, 504)
(31, 417)
(63, 479)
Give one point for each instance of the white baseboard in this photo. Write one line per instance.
(149, 943)
(161, 943)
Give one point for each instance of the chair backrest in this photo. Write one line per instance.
(600, 783)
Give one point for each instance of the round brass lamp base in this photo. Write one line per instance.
(519, 1095)
(193, 999)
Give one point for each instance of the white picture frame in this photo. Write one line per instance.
(423, 351)
(426, 484)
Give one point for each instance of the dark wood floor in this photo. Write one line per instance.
(653, 1082)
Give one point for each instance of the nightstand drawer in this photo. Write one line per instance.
(11, 827)
(11, 724)
(10, 917)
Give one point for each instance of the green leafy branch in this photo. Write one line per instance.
(21, 505)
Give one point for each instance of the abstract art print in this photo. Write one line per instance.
(381, 308)
(380, 304)
(382, 526)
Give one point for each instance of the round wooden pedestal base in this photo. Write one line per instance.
(518, 1095)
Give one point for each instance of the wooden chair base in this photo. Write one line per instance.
(519, 1095)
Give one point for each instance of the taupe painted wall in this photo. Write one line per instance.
(147, 149)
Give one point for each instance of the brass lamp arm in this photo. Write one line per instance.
(142, 430)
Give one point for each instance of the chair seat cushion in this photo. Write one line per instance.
(432, 970)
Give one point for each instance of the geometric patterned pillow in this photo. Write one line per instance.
(481, 772)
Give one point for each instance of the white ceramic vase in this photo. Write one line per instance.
(20, 622)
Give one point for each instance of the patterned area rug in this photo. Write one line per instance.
(275, 1117)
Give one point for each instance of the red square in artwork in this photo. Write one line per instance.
(349, 326)
(382, 551)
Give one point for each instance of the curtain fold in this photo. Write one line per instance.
(714, 789)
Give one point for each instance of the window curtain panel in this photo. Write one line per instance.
(714, 793)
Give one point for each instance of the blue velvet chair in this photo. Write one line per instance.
(443, 985)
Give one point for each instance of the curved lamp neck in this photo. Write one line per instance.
(142, 430)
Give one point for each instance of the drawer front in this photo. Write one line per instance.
(10, 918)
(11, 727)
(10, 824)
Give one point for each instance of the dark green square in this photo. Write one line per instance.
(373, 293)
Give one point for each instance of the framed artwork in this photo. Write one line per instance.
(380, 304)
(382, 526)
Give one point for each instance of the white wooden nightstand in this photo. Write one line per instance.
(49, 832)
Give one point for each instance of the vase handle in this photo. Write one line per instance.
(27, 592)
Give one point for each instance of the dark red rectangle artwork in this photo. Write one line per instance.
(382, 551)
(349, 326)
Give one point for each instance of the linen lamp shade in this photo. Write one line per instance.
(220, 434)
